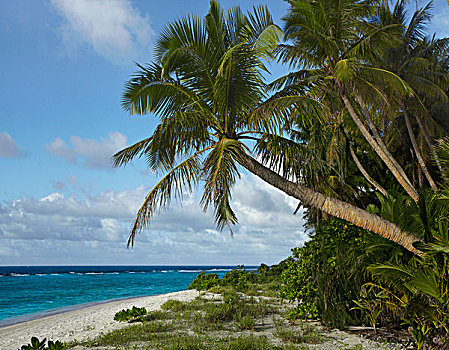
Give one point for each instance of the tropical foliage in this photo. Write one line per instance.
(325, 276)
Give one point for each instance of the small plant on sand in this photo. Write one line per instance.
(57, 345)
(36, 344)
(246, 323)
(130, 314)
(173, 305)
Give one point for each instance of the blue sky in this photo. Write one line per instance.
(63, 65)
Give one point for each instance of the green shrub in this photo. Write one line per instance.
(230, 296)
(263, 269)
(220, 312)
(221, 289)
(130, 314)
(35, 344)
(173, 305)
(239, 278)
(324, 276)
(204, 282)
(57, 345)
(246, 323)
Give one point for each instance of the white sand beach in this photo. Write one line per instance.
(88, 322)
(83, 323)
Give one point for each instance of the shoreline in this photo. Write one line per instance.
(11, 321)
(82, 323)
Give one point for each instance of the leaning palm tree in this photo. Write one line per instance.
(417, 61)
(331, 44)
(206, 87)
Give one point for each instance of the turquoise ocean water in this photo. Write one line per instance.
(28, 292)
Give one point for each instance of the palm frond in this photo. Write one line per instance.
(176, 135)
(442, 149)
(375, 42)
(299, 78)
(179, 179)
(271, 116)
(280, 154)
(184, 32)
(239, 84)
(390, 78)
(127, 154)
(219, 173)
(416, 29)
(391, 274)
(345, 69)
(267, 41)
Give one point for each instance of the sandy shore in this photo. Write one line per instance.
(83, 323)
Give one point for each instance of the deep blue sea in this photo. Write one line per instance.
(28, 292)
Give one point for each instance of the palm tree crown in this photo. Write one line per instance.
(204, 83)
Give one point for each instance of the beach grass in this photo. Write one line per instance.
(230, 320)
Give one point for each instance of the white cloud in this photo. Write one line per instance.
(102, 217)
(8, 147)
(95, 154)
(95, 229)
(113, 28)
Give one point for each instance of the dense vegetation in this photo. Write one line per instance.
(346, 276)
(325, 275)
(266, 279)
(358, 131)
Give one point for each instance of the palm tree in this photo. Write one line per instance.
(417, 61)
(206, 86)
(331, 43)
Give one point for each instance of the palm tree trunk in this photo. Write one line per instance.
(404, 181)
(426, 135)
(365, 173)
(416, 148)
(332, 206)
(379, 138)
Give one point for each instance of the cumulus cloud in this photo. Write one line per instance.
(114, 29)
(181, 235)
(8, 147)
(102, 217)
(94, 154)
